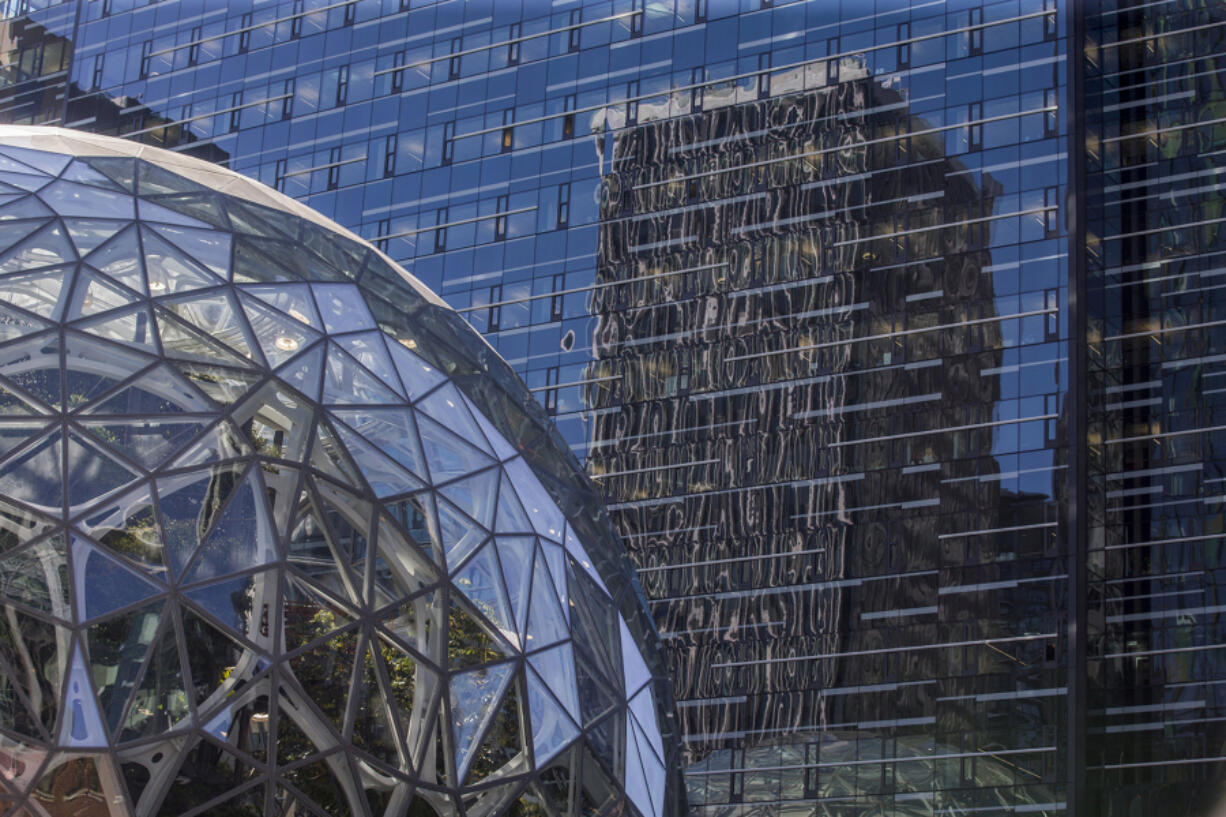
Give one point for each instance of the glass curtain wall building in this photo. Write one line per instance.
(888, 387)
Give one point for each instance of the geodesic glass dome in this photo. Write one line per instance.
(279, 533)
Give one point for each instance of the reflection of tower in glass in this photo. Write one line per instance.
(798, 414)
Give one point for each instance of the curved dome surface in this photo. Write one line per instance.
(279, 532)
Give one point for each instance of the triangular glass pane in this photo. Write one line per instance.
(251, 266)
(117, 648)
(23, 637)
(119, 169)
(154, 214)
(557, 784)
(552, 728)
(96, 293)
(261, 221)
(342, 308)
(223, 385)
(180, 341)
(311, 614)
(93, 473)
(218, 317)
(203, 206)
(278, 336)
(240, 538)
(292, 299)
(221, 442)
(22, 181)
(292, 743)
(160, 702)
(392, 431)
(44, 161)
(14, 324)
(210, 771)
(15, 231)
(35, 477)
(20, 206)
(160, 391)
(468, 642)
(384, 476)
(474, 698)
(555, 558)
(93, 367)
(210, 248)
(326, 673)
(643, 707)
(595, 625)
(410, 625)
(346, 382)
(374, 731)
(330, 457)
(368, 349)
(72, 199)
(515, 553)
(542, 511)
(480, 580)
(15, 433)
(402, 568)
(88, 233)
(502, 449)
(212, 657)
(502, 742)
(547, 623)
(79, 171)
(448, 456)
(326, 798)
(120, 259)
(636, 777)
(38, 292)
(153, 180)
(417, 375)
(128, 526)
(34, 576)
(171, 270)
(305, 372)
(447, 406)
(189, 504)
(103, 585)
(47, 247)
(636, 672)
(131, 327)
(149, 442)
(460, 535)
(233, 602)
(511, 516)
(82, 725)
(595, 697)
(556, 667)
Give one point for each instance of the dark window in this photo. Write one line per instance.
(398, 74)
(236, 109)
(572, 42)
(555, 302)
(440, 234)
(500, 221)
(764, 76)
(453, 64)
(193, 50)
(563, 205)
(495, 311)
(389, 156)
(334, 168)
(514, 34)
(279, 175)
(295, 24)
(342, 84)
(95, 81)
(904, 47)
(146, 48)
(448, 142)
(287, 99)
(350, 14)
(244, 34)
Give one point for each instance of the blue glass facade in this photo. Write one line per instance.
(793, 280)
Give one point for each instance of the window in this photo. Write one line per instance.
(390, 145)
(563, 205)
(453, 64)
(334, 168)
(244, 34)
(295, 23)
(95, 81)
(146, 48)
(572, 43)
(440, 234)
(495, 310)
(279, 175)
(236, 109)
(904, 47)
(398, 74)
(514, 33)
(764, 76)
(193, 50)
(448, 142)
(500, 221)
(342, 85)
(287, 99)
(555, 302)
